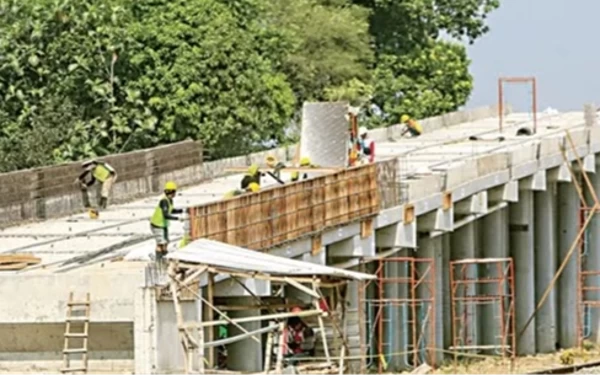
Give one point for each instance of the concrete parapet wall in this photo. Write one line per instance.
(435, 123)
(45, 301)
(51, 191)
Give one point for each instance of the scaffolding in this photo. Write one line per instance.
(481, 287)
(402, 313)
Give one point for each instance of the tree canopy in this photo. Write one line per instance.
(84, 78)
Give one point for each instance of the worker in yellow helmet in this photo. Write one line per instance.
(277, 167)
(163, 213)
(412, 126)
(304, 162)
(93, 171)
(252, 188)
(252, 175)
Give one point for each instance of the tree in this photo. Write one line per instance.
(199, 72)
(416, 71)
(328, 45)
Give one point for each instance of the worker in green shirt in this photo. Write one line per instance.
(159, 223)
(93, 171)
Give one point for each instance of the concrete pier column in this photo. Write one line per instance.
(463, 247)
(521, 247)
(592, 260)
(545, 267)
(245, 355)
(494, 245)
(568, 224)
(432, 248)
(446, 303)
(393, 313)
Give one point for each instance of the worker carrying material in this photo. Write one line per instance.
(93, 171)
(253, 175)
(412, 126)
(252, 188)
(366, 146)
(304, 162)
(159, 223)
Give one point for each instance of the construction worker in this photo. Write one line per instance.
(412, 126)
(159, 223)
(304, 162)
(366, 146)
(277, 167)
(253, 175)
(300, 337)
(93, 171)
(223, 333)
(252, 188)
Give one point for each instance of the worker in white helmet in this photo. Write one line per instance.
(366, 146)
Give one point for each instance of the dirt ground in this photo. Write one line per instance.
(522, 364)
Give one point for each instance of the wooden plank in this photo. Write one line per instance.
(289, 169)
(19, 258)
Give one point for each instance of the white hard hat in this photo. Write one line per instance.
(362, 130)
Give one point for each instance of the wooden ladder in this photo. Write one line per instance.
(78, 314)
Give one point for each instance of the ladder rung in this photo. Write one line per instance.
(80, 335)
(73, 369)
(77, 319)
(75, 351)
(78, 303)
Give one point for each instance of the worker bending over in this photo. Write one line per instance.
(366, 146)
(159, 223)
(253, 175)
(412, 126)
(300, 337)
(252, 188)
(96, 171)
(304, 162)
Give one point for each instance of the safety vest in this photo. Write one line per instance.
(415, 125)
(158, 220)
(101, 172)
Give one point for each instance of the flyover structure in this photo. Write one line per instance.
(461, 204)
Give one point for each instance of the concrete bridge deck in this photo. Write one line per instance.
(481, 178)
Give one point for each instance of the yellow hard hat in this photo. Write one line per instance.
(271, 160)
(253, 169)
(305, 161)
(254, 187)
(170, 186)
(404, 118)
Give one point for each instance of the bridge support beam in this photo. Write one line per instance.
(463, 247)
(432, 248)
(568, 225)
(494, 240)
(545, 267)
(521, 246)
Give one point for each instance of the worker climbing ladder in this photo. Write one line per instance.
(78, 317)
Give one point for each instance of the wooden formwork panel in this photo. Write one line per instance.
(286, 213)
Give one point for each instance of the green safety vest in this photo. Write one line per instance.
(101, 173)
(158, 219)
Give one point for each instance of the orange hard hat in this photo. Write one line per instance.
(296, 309)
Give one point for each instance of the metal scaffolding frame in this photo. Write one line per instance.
(416, 302)
(520, 80)
(469, 292)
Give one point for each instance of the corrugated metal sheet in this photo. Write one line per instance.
(219, 254)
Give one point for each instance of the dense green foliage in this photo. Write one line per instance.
(81, 78)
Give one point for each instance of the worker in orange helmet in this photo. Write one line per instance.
(300, 337)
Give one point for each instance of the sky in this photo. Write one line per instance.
(553, 40)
